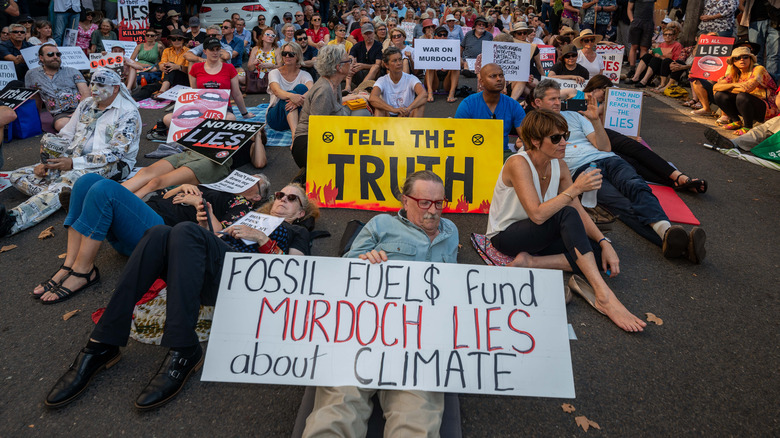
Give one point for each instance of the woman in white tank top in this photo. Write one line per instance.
(536, 216)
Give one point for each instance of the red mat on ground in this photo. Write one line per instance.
(673, 206)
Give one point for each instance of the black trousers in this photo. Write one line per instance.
(300, 149)
(561, 234)
(751, 108)
(177, 77)
(647, 163)
(189, 259)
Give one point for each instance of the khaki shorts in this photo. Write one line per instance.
(205, 170)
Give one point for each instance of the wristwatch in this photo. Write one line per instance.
(603, 239)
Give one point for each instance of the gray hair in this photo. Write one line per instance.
(284, 28)
(16, 26)
(263, 185)
(503, 37)
(491, 20)
(541, 89)
(420, 175)
(296, 49)
(328, 59)
(391, 20)
(214, 27)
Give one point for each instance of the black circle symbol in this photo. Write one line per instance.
(327, 137)
(477, 139)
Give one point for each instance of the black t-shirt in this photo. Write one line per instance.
(308, 55)
(364, 55)
(156, 24)
(560, 69)
(226, 207)
(201, 37)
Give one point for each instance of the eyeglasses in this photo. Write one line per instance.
(226, 27)
(261, 18)
(426, 203)
(346, 61)
(176, 39)
(570, 56)
(316, 20)
(18, 31)
(53, 54)
(556, 138)
(341, 30)
(301, 39)
(292, 197)
(441, 35)
(668, 34)
(298, 15)
(588, 40)
(272, 35)
(398, 35)
(743, 57)
(287, 54)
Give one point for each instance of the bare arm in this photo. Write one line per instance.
(12, 9)
(599, 136)
(83, 90)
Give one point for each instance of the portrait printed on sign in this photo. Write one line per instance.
(194, 106)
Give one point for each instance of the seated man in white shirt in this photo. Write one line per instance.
(397, 93)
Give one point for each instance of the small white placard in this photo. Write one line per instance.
(262, 222)
(172, 93)
(565, 83)
(71, 57)
(7, 73)
(129, 46)
(436, 54)
(514, 58)
(237, 182)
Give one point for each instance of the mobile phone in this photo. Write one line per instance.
(208, 216)
(45, 157)
(574, 105)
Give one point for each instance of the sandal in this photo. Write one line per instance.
(63, 293)
(733, 126)
(579, 286)
(697, 106)
(741, 131)
(689, 103)
(701, 112)
(50, 284)
(452, 99)
(693, 184)
(724, 119)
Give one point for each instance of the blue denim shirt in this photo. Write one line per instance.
(403, 240)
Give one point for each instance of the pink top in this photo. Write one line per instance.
(85, 36)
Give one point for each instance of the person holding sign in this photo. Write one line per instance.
(189, 258)
(419, 233)
(397, 93)
(448, 78)
(567, 66)
(536, 217)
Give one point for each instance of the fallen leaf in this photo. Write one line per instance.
(7, 248)
(655, 319)
(49, 232)
(583, 422)
(62, 256)
(755, 199)
(730, 180)
(567, 408)
(31, 426)
(695, 275)
(460, 246)
(70, 314)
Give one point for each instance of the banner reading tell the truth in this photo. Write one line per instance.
(362, 162)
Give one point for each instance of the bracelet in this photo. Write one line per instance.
(268, 247)
(244, 114)
(603, 239)
(567, 194)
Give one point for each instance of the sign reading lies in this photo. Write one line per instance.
(514, 58)
(327, 321)
(436, 54)
(15, 97)
(624, 111)
(361, 162)
(547, 55)
(613, 60)
(192, 107)
(133, 20)
(711, 56)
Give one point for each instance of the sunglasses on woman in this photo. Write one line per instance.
(398, 35)
(151, 35)
(287, 54)
(271, 35)
(589, 40)
(556, 138)
(176, 39)
(743, 57)
(292, 197)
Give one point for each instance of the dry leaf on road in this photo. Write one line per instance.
(655, 319)
(70, 314)
(583, 422)
(49, 232)
(567, 408)
(62, 256)
(7, 248)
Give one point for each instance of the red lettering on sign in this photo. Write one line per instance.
(213, 114)
(187, 97)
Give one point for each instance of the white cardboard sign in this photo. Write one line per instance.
(259, 221)
(613, 60)
(193, 106)
(236, 182)
(172, 93)
(328, 321)
(71, 57)
(565, 83)
(109, 60)
(70, 38)
(514, 58)
(128, 46)
(436, 54)
(7, 73)
(624, 111)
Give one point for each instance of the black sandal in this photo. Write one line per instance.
(693, 184)
(63, 293)
(50, 284)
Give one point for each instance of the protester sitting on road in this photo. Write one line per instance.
(623, 191)
(587, 56)
(101, 209)
(146, 58)
(367, 57)
(41, 34)
(324, 98)
(746, 90)
(198, 54)
(447, 78)
(60, 89)
(102, 137)
(398, 40)
(501, 38)
(309, 53)
(105, 32)
(397, 93)
(287, 87)
(286, 36)
(520, 33)
(536, 217)
(345, 410)
(11, 50)
(172, 64)
(654, 63)
(750, 139)
(567, 67)
(341, 37)
(127, 73)
(471, 45)
(263, 55)
(85, 29)
(189, 258)
(318, 35)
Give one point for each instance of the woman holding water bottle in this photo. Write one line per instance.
(537, 218)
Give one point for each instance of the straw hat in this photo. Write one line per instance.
(586, 33)
(739, 51)
(565, 30)
(520, 25)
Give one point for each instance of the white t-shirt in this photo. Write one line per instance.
(276, 76)
(408, 50)
(594, 67)
(398, 95)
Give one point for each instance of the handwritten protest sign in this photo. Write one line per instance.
(396, 325)
(70, 38)
(514, 58)
(624, 111)
(218, 140)
(360, 162)
(436, 54)
(565, 83)
(261, 222)
(236, 182)
(408, 27)
(193, 106)
(576, 3)
(709, 59)
(14, 97)
(133, 20)
(128, 46)
(172, 93)
(109, 60)
(547, 54)
(7, 73)
(71, 57)
(613, 60)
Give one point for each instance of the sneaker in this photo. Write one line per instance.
(675, 242)
(157, 136)
(718, 140)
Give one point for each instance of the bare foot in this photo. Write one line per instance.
(523, 260)
(615, 310)
(56, 279)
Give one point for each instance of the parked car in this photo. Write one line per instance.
(215, 11)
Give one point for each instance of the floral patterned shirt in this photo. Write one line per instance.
(765, 88)
(722, 7)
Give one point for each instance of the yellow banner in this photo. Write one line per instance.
(362, 162)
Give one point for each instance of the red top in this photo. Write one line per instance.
(356, 34)
(207, 80)
(319, 35)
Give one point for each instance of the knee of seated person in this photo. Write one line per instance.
(568, 212)
(86, 181)
(743, 97)
(185, 231)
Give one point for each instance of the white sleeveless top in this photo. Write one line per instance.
(506, 208)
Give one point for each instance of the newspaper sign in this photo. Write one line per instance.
(613, 60)
(71, 57)
(565, 83)
(547, 53)
(193, 106)
(133, 20)
(7, 73)
(624, 111)
(128, 46)
(237, 182)
(514, 58)
(711, 56)
(399, 325)
(436, 54)
(261, 222)
(70, 38)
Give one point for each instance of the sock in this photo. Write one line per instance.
(660, 228)
(99, 347)
(186, 351)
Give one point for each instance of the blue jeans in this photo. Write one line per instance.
(102, 209)
(62, 22)
(626, 194)
(763, 34)
(276, 117)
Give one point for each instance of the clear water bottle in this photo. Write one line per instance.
(589, 198)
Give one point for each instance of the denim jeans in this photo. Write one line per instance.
(763, 34)
(62, 22)
(626, 194)
(102, 209)
(276, 117)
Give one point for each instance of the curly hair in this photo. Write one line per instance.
(328, 59)
(310, 209)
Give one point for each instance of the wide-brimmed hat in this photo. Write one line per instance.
(441, 29)
(427, 23)
(520, 25)
(173, 13)
(568, 48)
(480, 20)
(739, 51)
(745, 41)
(450, 17)
(565, 30)
(584, 34)
(176, 33)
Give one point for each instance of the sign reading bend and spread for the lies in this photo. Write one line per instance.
(361, 162)
(327, 321)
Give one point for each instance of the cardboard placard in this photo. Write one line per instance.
(259, 221)
(613, 60)
(361, 162)
(110, 60)
(70, 38)
(436, 54)
(328, 321)
(514, 58)
(193, 106)
(709, 61)
(237, 182)
(576, 3)
(172, 92)
(547, 54)
(14, 97)
(128, 46)
(565, 83)
(71, 57)
(218, 140)
(133, 20)
(7, 73)
(624, 111)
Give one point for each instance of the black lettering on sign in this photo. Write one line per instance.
(340, 160)
(467, 177)
(370, 178)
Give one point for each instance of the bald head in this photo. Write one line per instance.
(491, 76)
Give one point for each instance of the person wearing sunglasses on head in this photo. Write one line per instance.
(11, 50)
(85, 29)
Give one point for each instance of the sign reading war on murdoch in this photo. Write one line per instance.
(326, 321)
(361, 162)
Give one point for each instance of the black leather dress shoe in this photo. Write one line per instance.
(170, 379)
(80, 373)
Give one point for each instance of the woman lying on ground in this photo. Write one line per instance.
(537, 218)
(101, 209)
(188, 257)
(397, 93)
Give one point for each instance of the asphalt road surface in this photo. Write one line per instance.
(711, 369)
